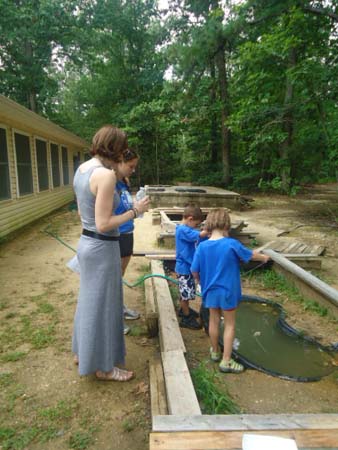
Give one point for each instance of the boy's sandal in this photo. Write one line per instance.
(215, 356)
(116, 374)
(230, 366)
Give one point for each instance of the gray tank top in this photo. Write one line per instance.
(86, 201)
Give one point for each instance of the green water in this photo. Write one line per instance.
(264, 343)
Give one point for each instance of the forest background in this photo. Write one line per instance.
(236, 94)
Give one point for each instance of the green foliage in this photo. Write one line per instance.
(80, 440)
(212, 399)
(251, 99)
(277, 282)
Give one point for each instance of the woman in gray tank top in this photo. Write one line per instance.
(98, 339)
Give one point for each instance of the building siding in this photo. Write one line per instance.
(20, 210)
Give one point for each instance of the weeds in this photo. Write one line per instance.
(175, 295)
(212, 400)
(277, 282)
(81, 440)
(13, 356)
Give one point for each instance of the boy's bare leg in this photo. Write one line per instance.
(185, 307)
(214, 319)
(229, 333)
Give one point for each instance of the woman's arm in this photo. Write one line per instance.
(104, 182)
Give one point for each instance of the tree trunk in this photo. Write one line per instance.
(31, 95)
(285, 147)
(225, 132)
(213, 119)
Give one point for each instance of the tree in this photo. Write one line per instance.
(33, 37)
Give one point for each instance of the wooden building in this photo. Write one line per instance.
(37, 163)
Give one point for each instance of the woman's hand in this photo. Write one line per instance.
(142, 205)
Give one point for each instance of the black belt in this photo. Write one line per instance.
(102, 237)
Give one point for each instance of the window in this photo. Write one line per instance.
(23, 163)
(76, 161)
(65, 168)
(41, 157)
(54, 150)
(5, 191)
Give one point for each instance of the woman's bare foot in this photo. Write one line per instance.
(76, 360)
(116, 374)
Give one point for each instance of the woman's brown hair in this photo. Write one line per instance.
(129, 154)
(109, 142)
(217, 219)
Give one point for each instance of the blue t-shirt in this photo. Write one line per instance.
(125, 204)
(186, 239)
(218, 263)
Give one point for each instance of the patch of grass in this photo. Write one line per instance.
(13, 356)
(45, 308)
(43, 337)
(11, 315)
(81, 440)
(175, 295)
(144, 268)
(277, 282)
(137, 330)
(44, 425)
(128, 425)
(211, 398)
(15, 438)
(4, 304)
(6, 379)
(62, 411)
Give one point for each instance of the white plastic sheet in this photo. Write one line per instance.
(259, 442)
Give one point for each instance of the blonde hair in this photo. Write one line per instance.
(217, 219)
(109, 142)
(192, 210)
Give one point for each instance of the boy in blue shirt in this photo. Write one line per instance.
(216, 265)
(187, 238)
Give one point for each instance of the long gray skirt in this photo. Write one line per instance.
(98, 338)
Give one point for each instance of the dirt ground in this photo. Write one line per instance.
(44, 404)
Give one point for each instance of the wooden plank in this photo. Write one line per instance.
(170, 334)
(221, 440)
(315, 283)
(151, 253)
(317, 250)
(158, 397)
(303, 248)
(181, 394)
(151, 315)
(162, 257)
(238, 422)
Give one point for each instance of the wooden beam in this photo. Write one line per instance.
(244, 422)
(157, 388)
(181, 394)
(151, 310)
(164, 256)
(326, 291)
(232, 440)
(152, 252)
(170, 334)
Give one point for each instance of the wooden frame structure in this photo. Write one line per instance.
(24, 136)
(177, 421)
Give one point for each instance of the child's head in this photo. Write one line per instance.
(192, 215)
(217, 219)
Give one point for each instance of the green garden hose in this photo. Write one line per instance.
(130, 285)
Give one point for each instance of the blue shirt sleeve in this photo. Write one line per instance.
(189, 234)
(243, 253)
